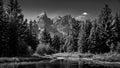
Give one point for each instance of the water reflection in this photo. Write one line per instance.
(57, 64)
(27, 66)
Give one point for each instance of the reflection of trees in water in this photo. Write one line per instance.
(61, 64)
(26, 66)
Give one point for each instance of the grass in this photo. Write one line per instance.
(22, 59)
(109, 57)
(76, 54)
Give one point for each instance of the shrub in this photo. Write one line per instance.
(44, 49)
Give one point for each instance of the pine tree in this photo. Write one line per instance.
(3, 31)
(81, 41)
(94, 37)
(45, 37)
(13, 34)
(62, 42)
(56, 43)
(17, 28)
(83, 36)
(1, 9)
(105, 20)
(32, 35)
(75, 33)
(69, 43)
(115, 38)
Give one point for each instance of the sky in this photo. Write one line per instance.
(53, 8)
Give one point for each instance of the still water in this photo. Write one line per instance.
(57, 64)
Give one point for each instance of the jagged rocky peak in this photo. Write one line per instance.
(44, 18)
(42, 15)
(57, 18)
(44, 21)
(66, 19)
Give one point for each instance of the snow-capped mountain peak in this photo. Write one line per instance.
(43, 14)
(79, 18)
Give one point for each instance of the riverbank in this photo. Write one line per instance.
(108, 59)
(23, 59)
(99, 59)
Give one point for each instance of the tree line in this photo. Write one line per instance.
(17, 37)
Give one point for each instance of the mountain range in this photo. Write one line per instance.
(61, 25)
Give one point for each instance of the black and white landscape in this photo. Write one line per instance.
(59, 33)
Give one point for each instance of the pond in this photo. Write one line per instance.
(56, 64)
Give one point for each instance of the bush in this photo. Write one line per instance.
(23, 49)
(44, 49)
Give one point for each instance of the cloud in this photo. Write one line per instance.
(85, 13)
